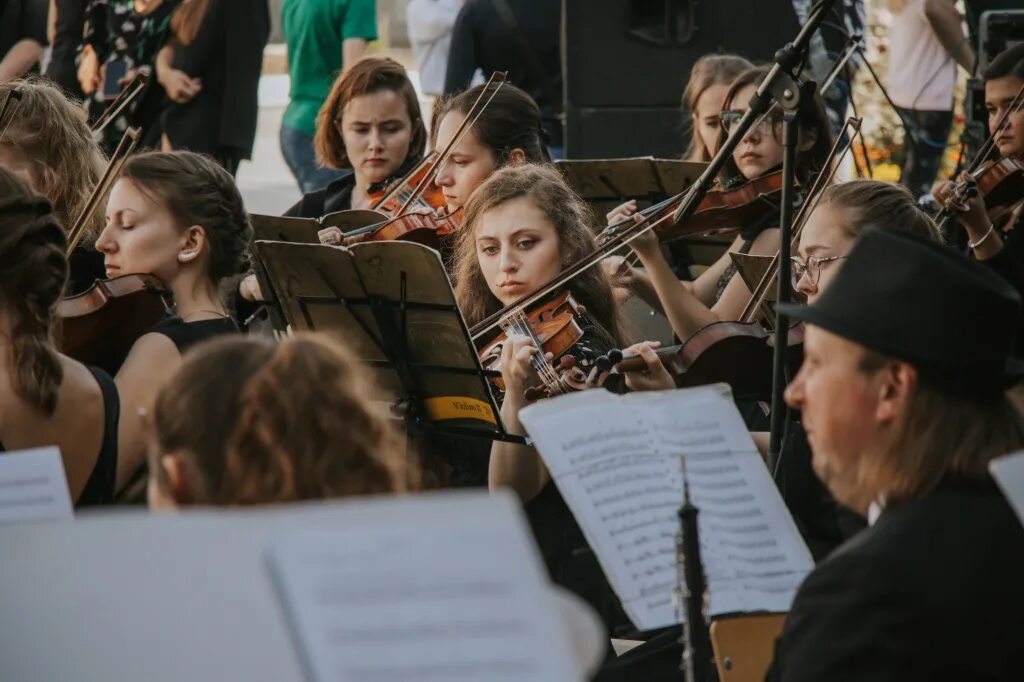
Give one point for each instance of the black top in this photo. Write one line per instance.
(336, 196)
(70, 23)
(100, 487)
(86, 265)
(23, 19)
(932, 591)
(528, 49)
(187, 334)
(227, 55)
(1009, 264)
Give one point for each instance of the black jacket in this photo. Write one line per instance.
(933, 591)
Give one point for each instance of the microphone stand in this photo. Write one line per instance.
(690, 587)
(782, 85)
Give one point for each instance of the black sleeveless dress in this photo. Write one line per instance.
(100, 487)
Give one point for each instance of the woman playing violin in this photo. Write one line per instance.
(177, 216)
(48, 398)
(371, 124)
(523, 225)
(46, 141)
(507, 133)
(988, 233)
(717, 294)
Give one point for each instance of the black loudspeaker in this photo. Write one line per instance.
(626, 62)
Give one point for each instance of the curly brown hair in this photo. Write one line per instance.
(52, 132)
(570, 217)
(365, 77)
(33, 272)
(259, 422)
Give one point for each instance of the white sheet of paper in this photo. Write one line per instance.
(435, 596)
(616, 461)
(1009, 474)
(33, 486)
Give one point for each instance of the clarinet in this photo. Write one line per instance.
(696, 639)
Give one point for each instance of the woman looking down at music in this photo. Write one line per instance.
(717, 294)
(370, 123)
(48, 398)
(46, 141)
(507, 133)
(246, 420)
(177, 216)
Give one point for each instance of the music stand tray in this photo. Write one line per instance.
(393, 305)
(645, 177)
(753, 268)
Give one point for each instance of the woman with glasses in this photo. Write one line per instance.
(717, 294)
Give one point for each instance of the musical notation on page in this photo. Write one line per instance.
(429, 596)
(33, 486)
(622, 480)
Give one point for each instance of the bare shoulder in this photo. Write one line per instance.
(152, 352)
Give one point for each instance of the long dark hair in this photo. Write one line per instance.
(511, 121)
(813, 119)
(33, 272)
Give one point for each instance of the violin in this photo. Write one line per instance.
(554, 327)
(720, 210)
(1000, 183)
(423, 227)
(100, 325)
(401, 195)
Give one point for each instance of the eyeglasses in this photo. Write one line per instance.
(770, 124)
(812, 268)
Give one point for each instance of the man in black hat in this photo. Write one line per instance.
(903, 395)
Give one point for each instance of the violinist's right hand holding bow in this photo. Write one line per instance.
(620, 273)
(983, 238)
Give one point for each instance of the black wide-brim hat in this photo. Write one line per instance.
(924, 303)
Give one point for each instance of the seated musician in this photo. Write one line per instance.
(717, 294)
(522, 226)
(703, 100)
(178, 216)
(46, 141)
(369, 123)
(996, 233)
(509, 132)
(903, 395)
(248, 421)
(48, 398)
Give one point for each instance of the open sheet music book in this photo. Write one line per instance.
(33, 486)
(446, 592)
(616, 461)
(1009, 474)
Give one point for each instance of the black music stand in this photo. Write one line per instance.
(606, 183)
(392, 304)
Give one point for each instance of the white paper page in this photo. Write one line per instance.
(434, 596)
(33, 486)
(622, 480)
(1009, 474)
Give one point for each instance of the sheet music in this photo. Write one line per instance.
(1009, 474)
(33, 486)
(616, 461)
(431, 596)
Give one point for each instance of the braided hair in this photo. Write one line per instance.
(33, 272)
(197, 191)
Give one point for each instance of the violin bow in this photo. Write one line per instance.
(125, 147)
(758, 297)
(124, 98)
(498, 78)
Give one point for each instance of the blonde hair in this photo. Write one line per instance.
(707, 72)
(570, 217)
(864, 203)
(52, 133)
(258, 422)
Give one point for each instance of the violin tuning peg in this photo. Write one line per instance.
(615, 356)
(603, 364)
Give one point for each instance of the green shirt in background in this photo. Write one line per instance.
(314, 31)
